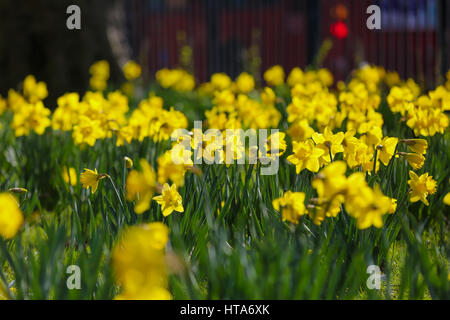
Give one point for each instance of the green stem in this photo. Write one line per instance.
(117, 193)
(124, 177)
(375, 161)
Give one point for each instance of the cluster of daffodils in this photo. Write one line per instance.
(234, 108)
(131, 71)
(324, 126)
(139, 263)
(334, 192)
(96, 117)
(30, 114)
(425, 114)
(140, 186)
(364, 152)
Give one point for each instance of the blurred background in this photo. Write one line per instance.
(208, 36)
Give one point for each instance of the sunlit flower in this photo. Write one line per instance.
(416, 145)
(90, 178)
(330, 144)
(421, 187)
(386, 149)
(170, 200)
(415, 160)
(275, 144)
(306, 156)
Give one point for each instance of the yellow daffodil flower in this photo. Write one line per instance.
(170, 200)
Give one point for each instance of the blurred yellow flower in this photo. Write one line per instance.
(31, 117)
(447, 199)
(132, 70)
(99, 75)
(140, 186)
(393, 206)
(245, 83)
(291, 205)
(274, 76)
(368, 206)
(139, 263)
(11, 217)
(220, 81)
(330, 144)
(34, 91)
(69, 176)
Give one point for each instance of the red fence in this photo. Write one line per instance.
(289, 32)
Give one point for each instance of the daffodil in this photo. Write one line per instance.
(34, 91)
(386, 149)
(220, 81)
(245, 83)
(330, 143)
(140, 186)
(367, 205)
(393, 206)
(415, 160)
(170, 200)
(132, 70)
(173, 164)
(421, 187)
(418, 146)
(447, 199)
(31, 117)
(306, 156)
(90, 179)
(274, 76)
(300, 130)
(275, 145)
(99, 75)
(177, 79)
(11, 217)
(291, 205)
(331, 180)
(139, 263)
(323, 207)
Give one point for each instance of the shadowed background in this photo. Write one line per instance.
(223, 36)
